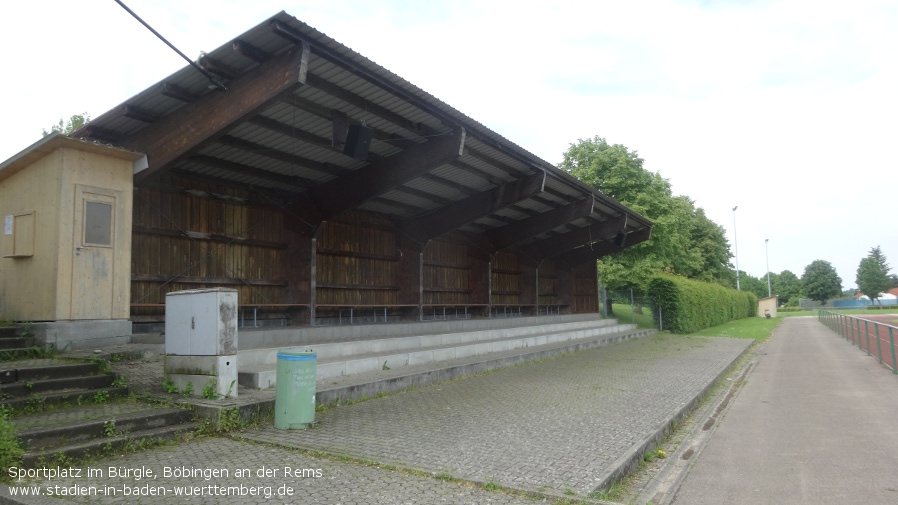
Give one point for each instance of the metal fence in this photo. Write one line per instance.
(858, 331)
(627, 307)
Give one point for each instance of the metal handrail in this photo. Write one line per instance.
(849, 327)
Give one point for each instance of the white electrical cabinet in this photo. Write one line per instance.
(201, 322)
(201, 341)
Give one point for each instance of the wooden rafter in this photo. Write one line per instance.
(586, 235)
(519, 231)
(187, 128)
(468, 209)
(375, 179)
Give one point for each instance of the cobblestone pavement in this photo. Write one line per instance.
(553, 425)
(556, 424)
(271, 470)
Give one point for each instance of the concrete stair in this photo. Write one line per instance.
(15, 342)
(69, 409)
(416, 343)
(78, 438)
(34, 383)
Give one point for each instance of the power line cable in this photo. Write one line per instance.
(214, 80)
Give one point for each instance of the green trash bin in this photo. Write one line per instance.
(294, 401)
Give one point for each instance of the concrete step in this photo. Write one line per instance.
(40, 369)
(77, 431)
(9, 331)
(137, 439)
(15, 342)
(73, 396)
(408, 351)
(28, 387)
(370, 345)
(297, 336)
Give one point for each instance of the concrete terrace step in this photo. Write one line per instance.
(137, 439)
(45, 368)
(28, 387)
(399, 341)
(71, 432)
(359, 357)
(74, 395)
(11, 343)
(281, 337)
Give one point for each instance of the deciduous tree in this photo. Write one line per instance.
(684, 241)
(68, 126)
(820, 281)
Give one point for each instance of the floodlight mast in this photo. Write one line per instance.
(767, 255)
(736, 246)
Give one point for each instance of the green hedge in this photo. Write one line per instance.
(686, 305)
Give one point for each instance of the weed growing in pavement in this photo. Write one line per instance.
(101, 397)
(10, 450)
(109, 428)
(614, 492)
(169, 386)
(209, 390)
(188, 389)
(120, 382)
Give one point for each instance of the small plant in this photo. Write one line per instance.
(209, 390)
(385, 367)
(656, 454)
(10, 450)
(445, 477)
(26, 331)
(28, 384)
(101, 396)
(188, 389)
(109, 428)
(490, 486)
(120, 382)
(230, 388)
(169, 385)
(570, 492)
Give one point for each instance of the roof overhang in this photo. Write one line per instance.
(327, 130)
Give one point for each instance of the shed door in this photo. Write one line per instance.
(94, 250)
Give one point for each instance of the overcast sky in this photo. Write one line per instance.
(784, 108)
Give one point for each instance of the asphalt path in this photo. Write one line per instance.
(815, 423)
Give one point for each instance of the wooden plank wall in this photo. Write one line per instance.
(447, 273)
(191, 235)
(358, 262)
(506, 279)
(585, 289)
(548, 284)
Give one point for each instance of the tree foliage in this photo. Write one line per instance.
(820, 281)
(68, 126)
(786, 285)
(873, 274)
(684, 241)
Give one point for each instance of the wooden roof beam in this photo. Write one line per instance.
(468, 209)
(187, 128)
(586, 235)
(351, 189)
(519, 231)
(292, 159)
(240, 169)
(597, 251)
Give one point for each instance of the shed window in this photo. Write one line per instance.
(97, 223)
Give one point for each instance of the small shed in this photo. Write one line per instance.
(767, 306)
(65, 250)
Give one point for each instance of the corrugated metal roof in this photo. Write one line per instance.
(291, 136)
